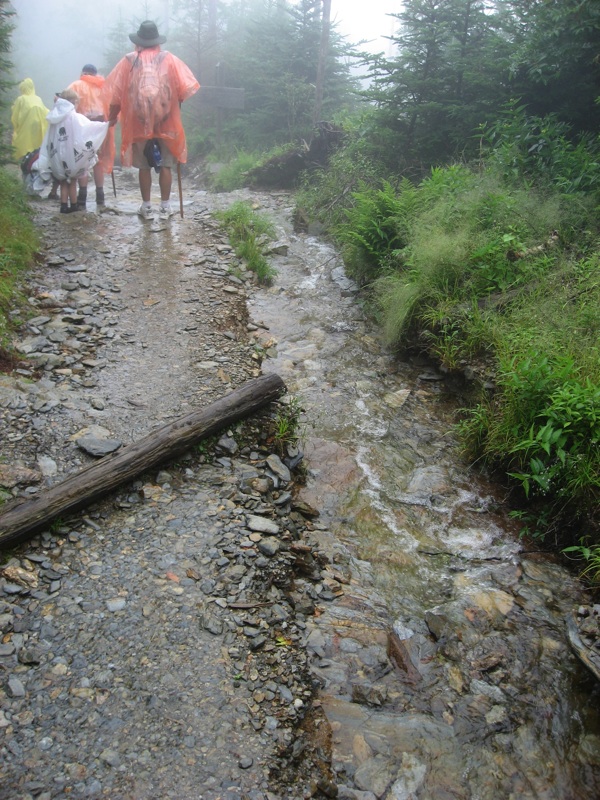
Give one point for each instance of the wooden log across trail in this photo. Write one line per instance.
(22, 519)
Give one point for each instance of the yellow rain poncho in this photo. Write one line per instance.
(28, 119)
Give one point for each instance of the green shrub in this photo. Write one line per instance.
(540, 150)
(18, 243)
(247, 232)
(233, 174)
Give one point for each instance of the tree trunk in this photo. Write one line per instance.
(323, 53)
(23, 518)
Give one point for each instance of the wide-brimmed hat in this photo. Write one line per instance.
(147, 35)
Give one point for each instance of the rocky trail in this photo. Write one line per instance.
(252, 622)
(150, 643)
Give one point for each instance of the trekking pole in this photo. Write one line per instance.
(112, 175)
(180, 190)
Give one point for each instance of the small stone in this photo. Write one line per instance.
(279, 468)
(15, 687)
(116, 604)
(262, 524)
(269, 546)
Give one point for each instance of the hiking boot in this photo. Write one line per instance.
(64, 208)
(145, 211)
(165, 211)
(82, 199)
(99, 197)
(53, 195)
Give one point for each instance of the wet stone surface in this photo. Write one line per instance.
(152, 644)
(219, 628)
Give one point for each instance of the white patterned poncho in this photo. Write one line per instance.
(70, 146)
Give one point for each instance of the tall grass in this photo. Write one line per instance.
(248, 233)
(18, 243)
(481, 269)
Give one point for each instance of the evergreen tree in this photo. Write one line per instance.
(449, 75)
(6, 29)
(270, 48)
(555, 61)
(119, 42)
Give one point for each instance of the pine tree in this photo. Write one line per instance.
(556, 57)
(270, 48)
(448, 76)
(6, 29)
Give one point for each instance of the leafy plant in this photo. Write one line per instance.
(375, 229)
(248, 232)
(18, 244)
(286, 425)
(590, 553)
(231, 175)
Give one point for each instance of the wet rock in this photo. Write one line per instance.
(262, 524)
(375, 775)
(11, 476)
(14, 687)
(279, 468)
(269, 546)
(369, 694)
(98, 447)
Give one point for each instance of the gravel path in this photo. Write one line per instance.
(151, 644)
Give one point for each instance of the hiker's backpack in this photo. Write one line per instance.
(29, 160)
(149, 91)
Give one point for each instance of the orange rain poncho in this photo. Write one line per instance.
(28, 119)
(93, 104)
(160, 118)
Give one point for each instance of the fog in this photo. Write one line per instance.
(53, 39)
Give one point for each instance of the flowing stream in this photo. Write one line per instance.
(486, 699)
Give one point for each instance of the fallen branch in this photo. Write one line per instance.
(21, 519)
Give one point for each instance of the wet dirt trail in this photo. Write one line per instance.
(179, 632)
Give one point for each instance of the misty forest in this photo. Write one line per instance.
(457, 175)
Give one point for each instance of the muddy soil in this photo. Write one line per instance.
(151, 643)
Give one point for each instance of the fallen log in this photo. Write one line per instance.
(21, 519)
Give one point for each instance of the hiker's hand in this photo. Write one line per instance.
(113, 113)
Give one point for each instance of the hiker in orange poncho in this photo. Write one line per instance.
(147, 88)
(94, 105)
(28, 117)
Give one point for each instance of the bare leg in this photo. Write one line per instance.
(99, 175)
(165, 179)
(146, 184)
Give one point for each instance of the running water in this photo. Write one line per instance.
(485, 700)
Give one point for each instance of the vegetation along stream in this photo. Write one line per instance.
(389, 631)
(486, 699)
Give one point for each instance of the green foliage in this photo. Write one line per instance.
(286, 425)
(478, 267)
(270, 50)
(326, 194)
(18, 243)
(590, 553)
(248, 232)
(6, 28)
(554, 63)
(232, 175)
(375, 231)
(540, 150)
(448, 74)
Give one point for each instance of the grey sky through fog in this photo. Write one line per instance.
(54, 38)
